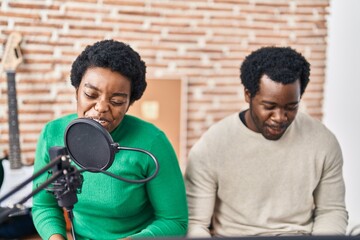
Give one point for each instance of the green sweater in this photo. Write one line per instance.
(108, 208)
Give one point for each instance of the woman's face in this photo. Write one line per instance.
(103, 95)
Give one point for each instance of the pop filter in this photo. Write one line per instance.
(89, 144)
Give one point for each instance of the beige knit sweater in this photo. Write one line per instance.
(246, 185)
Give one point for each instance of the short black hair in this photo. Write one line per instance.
(116, 56)
(280, 64)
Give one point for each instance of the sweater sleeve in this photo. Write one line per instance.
(201, 190)
(330, 215)
(47, 215)
(167, 194)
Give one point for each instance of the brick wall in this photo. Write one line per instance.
(200, 41)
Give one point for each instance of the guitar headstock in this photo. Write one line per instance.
(12, 56)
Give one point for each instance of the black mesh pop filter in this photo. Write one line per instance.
(89, 144)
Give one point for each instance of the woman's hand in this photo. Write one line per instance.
(56, 237)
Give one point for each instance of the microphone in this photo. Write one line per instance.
(91, 146)
(67, 184)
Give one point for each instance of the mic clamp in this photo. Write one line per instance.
(65, 187)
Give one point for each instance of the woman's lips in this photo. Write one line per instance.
(102, 121)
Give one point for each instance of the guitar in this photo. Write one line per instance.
(14, 170)
(11, 60)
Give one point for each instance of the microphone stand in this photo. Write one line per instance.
(19, 204)
(66, 175)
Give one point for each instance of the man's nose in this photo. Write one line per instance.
(280, 115)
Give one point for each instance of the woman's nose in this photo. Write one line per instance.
(101, 106)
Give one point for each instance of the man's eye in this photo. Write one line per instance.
(269, 107)
(292, 108)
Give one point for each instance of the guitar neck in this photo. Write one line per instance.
(14, 141)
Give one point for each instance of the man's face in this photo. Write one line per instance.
(104, 96)
(273, 108)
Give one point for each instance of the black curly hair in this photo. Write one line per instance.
(281, 64)
(116, 56)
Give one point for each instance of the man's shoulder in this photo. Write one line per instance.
(221, 130)
(308, 124)
(305, 119)
(226, 122)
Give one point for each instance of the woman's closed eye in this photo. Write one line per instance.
(118, 103)
(90, 95)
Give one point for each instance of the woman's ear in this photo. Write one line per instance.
(129, 105)
(76, 93)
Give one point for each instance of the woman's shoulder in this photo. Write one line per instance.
(135, 123)
(61, 122)
(134, 131)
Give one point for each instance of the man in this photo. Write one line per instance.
(269, 170)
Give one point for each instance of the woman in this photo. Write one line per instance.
(108, 77)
